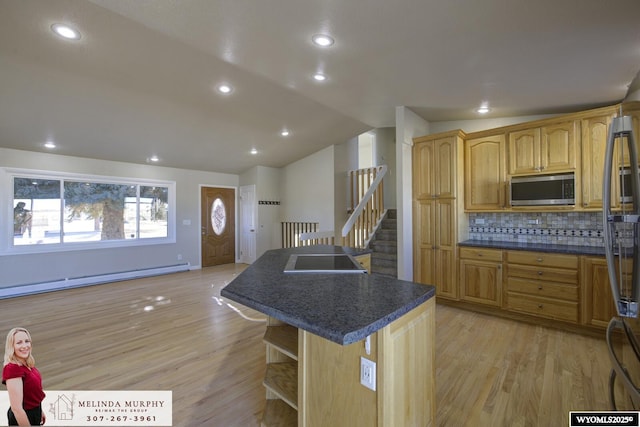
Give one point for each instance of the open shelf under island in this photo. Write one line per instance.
(321, 324)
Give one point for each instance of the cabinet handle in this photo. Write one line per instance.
(539, 260)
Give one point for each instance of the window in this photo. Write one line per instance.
(70, 212)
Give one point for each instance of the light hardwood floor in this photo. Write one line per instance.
(174, 332)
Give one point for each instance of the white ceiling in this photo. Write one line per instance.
(141, 79)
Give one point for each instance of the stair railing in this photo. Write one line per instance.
(366, 216)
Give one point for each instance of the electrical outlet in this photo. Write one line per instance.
(368, 373)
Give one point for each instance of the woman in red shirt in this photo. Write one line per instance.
(23, 380)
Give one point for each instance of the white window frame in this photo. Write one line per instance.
(6, 212)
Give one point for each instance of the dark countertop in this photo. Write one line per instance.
(343, 308)
(537, 247)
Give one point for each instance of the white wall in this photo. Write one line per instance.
(408, 126)
(267, 181)
(35, 268)
(345, 160)
(385, 139)
(308, 192)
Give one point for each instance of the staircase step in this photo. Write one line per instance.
(384, 263)
(392, 214)
(384, 246)
(384, 271)
(388, 224)
(387, 234)
(384, 256)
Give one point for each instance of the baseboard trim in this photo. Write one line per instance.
(56, 285)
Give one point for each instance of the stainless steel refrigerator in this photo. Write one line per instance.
(621, 239)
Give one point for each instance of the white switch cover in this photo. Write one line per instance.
(368, 373)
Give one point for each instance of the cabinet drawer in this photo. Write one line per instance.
(481, 254)
(544, 274)
(543, 259)
(543, 289)
(544, 307)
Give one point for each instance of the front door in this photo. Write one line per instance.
(218, 226)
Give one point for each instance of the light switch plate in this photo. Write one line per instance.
(368, 373)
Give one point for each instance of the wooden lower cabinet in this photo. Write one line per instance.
(324, 387)
(572, 289)
(481, 276)
(597, 300)
(542, 284)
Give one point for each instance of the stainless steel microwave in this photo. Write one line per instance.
(543, 190)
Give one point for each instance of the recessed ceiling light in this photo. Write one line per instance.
(225, 88)
(153, 159)
(483, 109)
(50, 144)
(284, 132)
(254, 151)
(319, 77)
(322, 40)
(66, 31)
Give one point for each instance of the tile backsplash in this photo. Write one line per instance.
(563, 228)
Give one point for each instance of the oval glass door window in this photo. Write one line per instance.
(218, 216)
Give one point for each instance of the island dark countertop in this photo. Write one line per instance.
(343, 308)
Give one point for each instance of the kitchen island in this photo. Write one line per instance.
(321, 327)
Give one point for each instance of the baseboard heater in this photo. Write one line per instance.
(56, 285)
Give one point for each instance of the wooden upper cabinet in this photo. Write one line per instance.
(423, 171)
(550, 148)
(558, 146)
(594, 141)
(445, 156)
(485, 173)
(635, 118)
(524, 151)
(434, 174)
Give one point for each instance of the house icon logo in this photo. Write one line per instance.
(62, 407)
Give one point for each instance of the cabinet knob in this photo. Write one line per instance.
(539, 305)
(539, 287)
(539, 259)
(539, 273)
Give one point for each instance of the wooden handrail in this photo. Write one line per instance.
(317, 238)
(370, 210)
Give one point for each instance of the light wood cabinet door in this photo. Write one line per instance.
(434, 168)
(594, 142)
(423, 170)
(597, 300)
(435, 245)
(635, 118)
(558, 146)
(484, 173)
(550, 148)
(480, 277)
(524, 151)
(435, 164)
(444, 166)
